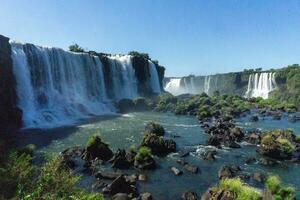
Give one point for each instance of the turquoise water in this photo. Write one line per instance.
(126, 131)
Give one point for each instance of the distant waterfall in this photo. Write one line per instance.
(189, 85)
(260, 84)
(56, 87)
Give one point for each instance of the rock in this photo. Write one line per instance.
(191, 168)
(98, 185)
(154, 128)
(181, 161)
(209, 155)
(158, 145)
(276, 116)
(232, 144)
(141, 104)
(213, 141)
(184, 153)
(227, 172)
(266, 161)
(121, 185)
(130, 156)
(189, 195)
(120, 196)
(237, 133)
(120, 160)
(97, 149)
(146, 196)
(107, 175)
(142, 177)
(176, 171)
(253, 138)
(126, 105)
(132, 178)
(254, 118)
(294, 118)
(148, 163)
(221, 194)
(244, 176)
(259, 177)
(250, 160)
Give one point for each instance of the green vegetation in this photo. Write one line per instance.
(138, 54)
(20, 179)
(76, 48)
(142, 154)
(240, 190)
(154, 128)
(274, 186)
(93, 140)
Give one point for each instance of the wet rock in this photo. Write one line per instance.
(120, 160)
(120, 196)
(228, 171)
(147, 163)
(107, 175)
(121, 185)
(181, 161)
(250, 160)
(191, 168)
(244, 176)
(154, 128)
(158, 145)
(232, 144)
(142, 177)
(276, 116)
(254, 118)
(146, 196)
(266, 161)
(132, 178)
(189, 195)
(176, 171)
(237, 134)
(97, 149)
(126, 105)
(259, 177)
(213, 141)
(209, 155)
(222, 194)
(253, 138)
(184, 153)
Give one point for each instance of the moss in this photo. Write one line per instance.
(143, 153)
(286, 144)
(240, 190)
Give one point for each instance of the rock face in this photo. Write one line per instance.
(11, 115)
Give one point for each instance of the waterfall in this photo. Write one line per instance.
(173, 86)
(260, 85)
(207, 84)
(154, 80)
(56, 87)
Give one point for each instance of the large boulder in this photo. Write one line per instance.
(120, 161)
(121, 185)
(158, 145)
(154, 128)
(228, 171)
(98, 149)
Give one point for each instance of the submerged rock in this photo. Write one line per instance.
(191, 168)
(176, 171)
(189, 195)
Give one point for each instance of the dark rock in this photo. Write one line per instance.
(254, 118)
(236, 133)
(158, 145)
(107, 175)
(132, 178)
(244, 176)
(141, 104)
(148, 163)
(267, 161)
(191, 168)
(213, 141)
(253, 138)
(259, 177)
(189, 195)
(142, 177)
(120, 196)
(232, 144)
(209, 155)
(221, 194)
(184, 153)
(276, 116)
(98, 149)
(294, 118)
(126, 105)
(154, 128)
(228, 171)
(176, 171)
(146, 196)
(181, 161)
(250, 160)
(121, 185)
(120, 160)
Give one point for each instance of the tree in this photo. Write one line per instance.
(75, 48)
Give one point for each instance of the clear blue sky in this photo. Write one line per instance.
(186, 36)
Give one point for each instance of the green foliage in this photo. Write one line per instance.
(143, 153)
(76, 48)
(288, 148)
(15, 175)
(154, 128)
(273, 184)
(166, 102)
(240, 190)
(139, 54)
(28, 149)
(93, 140)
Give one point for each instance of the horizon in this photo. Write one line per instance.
(199, 38)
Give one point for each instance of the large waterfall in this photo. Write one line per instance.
(261, 84)
(56, 87)
(190, 85)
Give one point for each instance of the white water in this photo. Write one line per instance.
(188, 85)
(260, 85)
(57, 87)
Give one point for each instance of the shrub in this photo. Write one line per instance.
(241, 191)
(154, 128)
(75, 48)
(287, 146)
(273, 184)
(143, 153)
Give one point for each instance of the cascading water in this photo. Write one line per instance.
(260, 85)
(173, 86)
(56, 87)
(207, 84)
